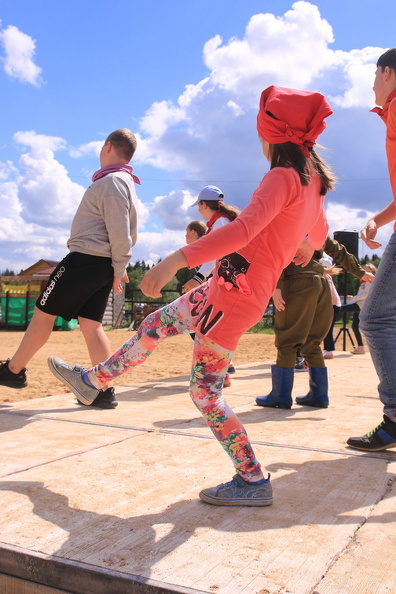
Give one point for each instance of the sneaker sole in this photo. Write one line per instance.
(104, 405)
(283, 406)
(14, 385)
(80, 397)
(312, 404)
(377, 449)
(240, 502)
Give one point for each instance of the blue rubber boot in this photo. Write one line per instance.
(282, 385)
(318, 394)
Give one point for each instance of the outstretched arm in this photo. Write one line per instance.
(157, 277)
(383, 217)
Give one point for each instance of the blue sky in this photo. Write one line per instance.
(186, 77)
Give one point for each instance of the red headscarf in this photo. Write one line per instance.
(287, 115)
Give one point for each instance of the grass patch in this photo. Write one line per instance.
(264, 326)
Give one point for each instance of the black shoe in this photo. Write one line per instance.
(12, 380)
(231, 369)
(105, 399)
(301, 366)
(380, 438)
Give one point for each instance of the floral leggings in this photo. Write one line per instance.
(209, 366)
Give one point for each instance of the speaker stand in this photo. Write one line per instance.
(345, 332)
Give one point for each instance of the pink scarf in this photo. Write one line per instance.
(116, 167)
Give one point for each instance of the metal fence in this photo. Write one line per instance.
(136, 309)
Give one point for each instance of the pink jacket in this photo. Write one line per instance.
(259, 244)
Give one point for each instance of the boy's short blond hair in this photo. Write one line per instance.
(124, 142)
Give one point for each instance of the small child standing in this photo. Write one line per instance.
(331, 270)
(285, 211)
(354, 305)
(217, 213)
(194, 230)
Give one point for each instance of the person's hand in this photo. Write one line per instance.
(117, 283)
(278, 300)
(191, 284)
(333, 270)
(368, 234)
(155, 279)
(304, 254)
(368, 277)
(158, 276)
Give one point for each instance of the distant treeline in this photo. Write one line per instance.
(137, 270)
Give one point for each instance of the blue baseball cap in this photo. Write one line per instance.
(209, 193)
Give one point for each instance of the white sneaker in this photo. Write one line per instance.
(72, 378)
(359, 350)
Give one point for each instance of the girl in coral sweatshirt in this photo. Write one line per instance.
(284, 217)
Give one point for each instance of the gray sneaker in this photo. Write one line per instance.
(239, 492)
(72, 378)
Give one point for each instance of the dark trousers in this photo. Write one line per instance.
(354, 309)
(328, 342)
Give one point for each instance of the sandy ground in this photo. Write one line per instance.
(170, 359)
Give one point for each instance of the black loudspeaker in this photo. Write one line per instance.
(350, 239)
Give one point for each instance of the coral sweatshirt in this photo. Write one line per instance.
(259, 244)
(388, 116)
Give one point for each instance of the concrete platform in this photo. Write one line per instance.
(103, 502)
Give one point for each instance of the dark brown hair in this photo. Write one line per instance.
(198, 226)
(288, 154)
(387, 59)
(219, 206)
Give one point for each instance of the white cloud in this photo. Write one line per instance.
(174, 209)
(358, 68)
(274, 48)
(153, 246)
(10, 209)
(210, 132)
(19, 56)
(87, 149)
(160, 116)
(45, 191)
(208, 135)
(343, 218)
(37, 206)
(6, 170)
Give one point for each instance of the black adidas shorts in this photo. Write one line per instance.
(78, 287)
